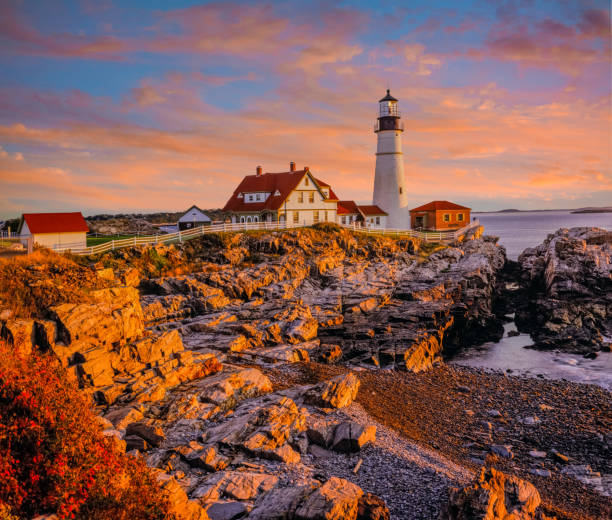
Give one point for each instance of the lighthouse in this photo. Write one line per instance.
(389, 181)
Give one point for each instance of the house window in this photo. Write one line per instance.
(378, 221)
(446, 217)
(241, 220)
(460, 217)
(316, 216)
(248, 219)
(296, 217)
(311, 197)
(301, 196)
(325, 216)
(306, 181)
(344, 220)
(259, 196)
(325, 193)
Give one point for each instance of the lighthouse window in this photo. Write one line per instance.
(400, 190)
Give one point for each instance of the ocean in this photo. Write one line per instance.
(520, 230)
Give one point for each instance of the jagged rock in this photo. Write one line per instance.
(351, 436)
(238, 485)
(226, 510)
(19, 334)
(371, 507)
(153, 349)
(261, 426)
(115, 318)
(330, 353)
(230, 387)
(337, 499)
(180, 506)
(567, 281)
(281, 503)
(335, 393)
(494, 496)
(147, 430)
(121, 418)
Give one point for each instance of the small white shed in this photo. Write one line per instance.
(193, 217)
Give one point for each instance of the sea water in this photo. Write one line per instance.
(520, 230)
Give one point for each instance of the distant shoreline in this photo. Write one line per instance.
(571, 210)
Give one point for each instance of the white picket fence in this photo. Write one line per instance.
(182, 236)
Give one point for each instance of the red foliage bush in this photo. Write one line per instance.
(53, 455)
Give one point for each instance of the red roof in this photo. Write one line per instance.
(437, 205)
(347, 207)
(371, 210)
(55, 222)
(284, 183)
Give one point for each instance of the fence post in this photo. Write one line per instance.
(180, 237)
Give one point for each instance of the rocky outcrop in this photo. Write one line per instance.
(567, 282)
(494, 496)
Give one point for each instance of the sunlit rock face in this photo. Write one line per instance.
(568, 282)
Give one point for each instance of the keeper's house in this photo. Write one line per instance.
(439, 215)
(193, 217)
(295, 196)
(54, 230)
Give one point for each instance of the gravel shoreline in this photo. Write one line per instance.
(461, 412)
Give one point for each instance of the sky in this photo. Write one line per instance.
(111, 106)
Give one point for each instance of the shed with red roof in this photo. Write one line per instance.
(54, 230)
(439, 215)
(295, 195)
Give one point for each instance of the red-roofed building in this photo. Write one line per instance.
(370, 216)
(54, 230)
(439, 215)
(373, 216)
(295, 195)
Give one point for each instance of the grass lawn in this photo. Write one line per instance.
(96, 241)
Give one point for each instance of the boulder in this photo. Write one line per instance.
(351, 436)
(337, 499)
(180, 506)
(281, 503)
(237, 485)
(493, 496)
(371, 507)
(335, 393)
(147, 430)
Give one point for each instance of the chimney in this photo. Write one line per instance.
(291, 166)
(258, 170)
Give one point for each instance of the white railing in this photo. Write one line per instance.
(255, 226)
(427, 236)
(179, 236)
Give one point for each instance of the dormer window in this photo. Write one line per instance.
(277, 193)
(240, 195)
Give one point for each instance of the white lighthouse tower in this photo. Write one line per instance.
(389, 182)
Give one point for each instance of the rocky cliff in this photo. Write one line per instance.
(568, 291)
(181, 368)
